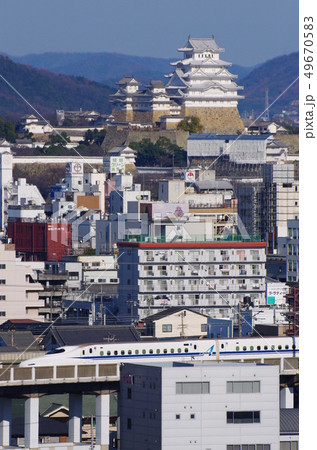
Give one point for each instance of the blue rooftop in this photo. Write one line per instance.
(228, 137)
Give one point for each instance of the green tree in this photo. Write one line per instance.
(191, 124)
(7, 130)
(60, 138)
(163, 153)
(94, 137)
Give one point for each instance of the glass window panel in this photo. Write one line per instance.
(247, 386)
(256, 386)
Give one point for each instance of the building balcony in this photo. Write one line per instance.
(51, 276)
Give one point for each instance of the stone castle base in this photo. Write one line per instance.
(138, 116)
(217, 120)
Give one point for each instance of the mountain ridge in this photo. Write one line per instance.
(47, 91)
(106, 67)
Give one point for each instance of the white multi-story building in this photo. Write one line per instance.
(209, 277)
(280, 197)
(100, 269)
(19, 293)
(241, 149)
(218, 406)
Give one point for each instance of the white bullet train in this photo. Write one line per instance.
(259, 348)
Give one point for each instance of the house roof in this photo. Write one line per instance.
(289, 421)
(34, 326)
(21, 340)
(168, 312)
(228, 137)
(78, 334)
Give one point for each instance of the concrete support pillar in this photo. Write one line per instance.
(31, 422)
(287, 397)
(102, 419)
(75, 418)
(5, 421)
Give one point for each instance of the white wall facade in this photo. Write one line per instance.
(209, 277)
(19, 296)
(161, 410)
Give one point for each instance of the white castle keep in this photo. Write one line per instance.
(200, 85)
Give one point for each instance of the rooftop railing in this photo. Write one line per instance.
(194, 238)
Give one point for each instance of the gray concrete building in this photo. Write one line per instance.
(221, 406)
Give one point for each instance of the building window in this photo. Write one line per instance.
(2, 297)
(129, 393)
(192, 416)
(73, 276)
(243, 387)
(167, 328)
(2, 281)
(129, 423)
(289, 445)
(203, 327)
(243, 417)
(2, 313)
(192, 387)
(178, 416)
(2, 266)
(251, 447)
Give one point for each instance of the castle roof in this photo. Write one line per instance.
(128, 80)
(201, 45)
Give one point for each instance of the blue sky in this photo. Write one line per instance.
(251, 31)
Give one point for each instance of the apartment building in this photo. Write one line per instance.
(209, 277)
(19, 293)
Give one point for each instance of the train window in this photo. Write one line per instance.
(151, 350)
(179, 350)
(122, 352)
(265, 347)
(244, 348)
(158, 350)
(251, 348)
(195, 346)
(293, 346)
(286, 347)
(90, 350)
(101, 353)
(165, 350)
(272, 347)
(172, 350)
(279, 347)
(108, 352)
(222, 345)
(129, 352)
(115, 352)
(237, 348)
(83, 352)
(186, 350)
(143, 351)
(136, 352)
(258, 347)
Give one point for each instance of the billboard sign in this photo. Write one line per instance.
(189, 176)
(113, 164)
